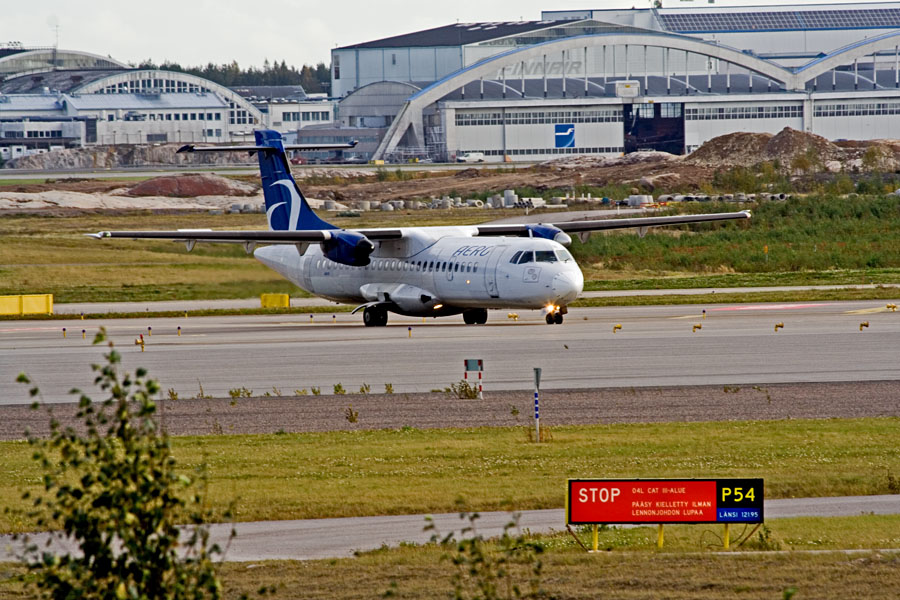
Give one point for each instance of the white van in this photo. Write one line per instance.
(471, 157)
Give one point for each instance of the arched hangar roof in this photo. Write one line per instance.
(48, 58)
(129, 81)
(846, 55)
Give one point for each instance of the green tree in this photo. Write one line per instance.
(111, 487)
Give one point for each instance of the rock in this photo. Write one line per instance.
(833, 166)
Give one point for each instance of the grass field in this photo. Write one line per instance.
(630, 567)
(408, 471)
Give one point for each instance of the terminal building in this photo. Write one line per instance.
(611, 81)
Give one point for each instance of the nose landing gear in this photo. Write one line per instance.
(555, 316)
(475, 316)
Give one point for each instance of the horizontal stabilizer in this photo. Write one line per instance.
(262, 236)
(193, 148)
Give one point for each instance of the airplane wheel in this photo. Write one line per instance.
(558, 318)
(475, 316)
(375, 316)
(550, 319)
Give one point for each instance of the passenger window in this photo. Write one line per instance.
(527, 257)
(455, 267)
(469, 268)
(475, 268)
(545, 256)
(515, 257)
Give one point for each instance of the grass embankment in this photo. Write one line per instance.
(803, 235)
(342, 474)
(685, 569)
(425, 572)
(811, 241)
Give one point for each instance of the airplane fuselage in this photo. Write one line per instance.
(439, 271)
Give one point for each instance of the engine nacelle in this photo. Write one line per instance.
(549, 232)
(348, 248)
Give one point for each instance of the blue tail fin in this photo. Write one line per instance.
(286, 208)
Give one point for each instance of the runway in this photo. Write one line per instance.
(656, 346)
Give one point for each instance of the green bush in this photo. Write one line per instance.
(112, 487)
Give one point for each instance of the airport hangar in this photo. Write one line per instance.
(52, 98)
(535, 90)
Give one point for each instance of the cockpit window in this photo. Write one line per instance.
(515, 257)
(564, 255)
(527, 257)
(545, 256)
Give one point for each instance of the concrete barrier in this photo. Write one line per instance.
(275, 300)
(31, 304)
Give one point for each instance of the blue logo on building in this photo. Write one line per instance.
(565, 136)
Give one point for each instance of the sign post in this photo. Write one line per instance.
(659, 501)
(474, 364)
(537, 410)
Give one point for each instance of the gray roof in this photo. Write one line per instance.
(20, 102)
(61, 81)
(458, 34)
(271, 92)
(761, 19)
(145, 101)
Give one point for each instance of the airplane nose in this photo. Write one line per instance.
(567, 286)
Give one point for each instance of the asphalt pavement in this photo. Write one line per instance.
(655, 346)
(341, 538)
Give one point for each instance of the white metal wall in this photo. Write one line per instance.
(706, 120)
(362, 66)
(525, 133)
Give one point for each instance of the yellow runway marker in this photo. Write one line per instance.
(867, 311)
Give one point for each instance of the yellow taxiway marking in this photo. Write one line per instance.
(866, 311)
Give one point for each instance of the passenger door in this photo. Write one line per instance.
(490, 271)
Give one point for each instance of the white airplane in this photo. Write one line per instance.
(413, 271)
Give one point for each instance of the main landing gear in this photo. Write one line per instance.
(375, 316)
(555, 317)
(475, 316)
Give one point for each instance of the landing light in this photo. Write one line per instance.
(438, 306)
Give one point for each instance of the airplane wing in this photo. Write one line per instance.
(579, 227)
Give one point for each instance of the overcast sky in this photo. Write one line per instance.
(196, 32)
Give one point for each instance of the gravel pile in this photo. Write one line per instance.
(502, 409)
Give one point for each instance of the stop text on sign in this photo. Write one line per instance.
(634, 501)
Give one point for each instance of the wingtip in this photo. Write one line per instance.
(99, 235)
(185, 148)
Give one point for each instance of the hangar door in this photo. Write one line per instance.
(657, 126)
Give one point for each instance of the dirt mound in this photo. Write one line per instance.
(744, 149)
(731, 149)
(191, 186)
(789, 143)
(596, 162)
(468, 173)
